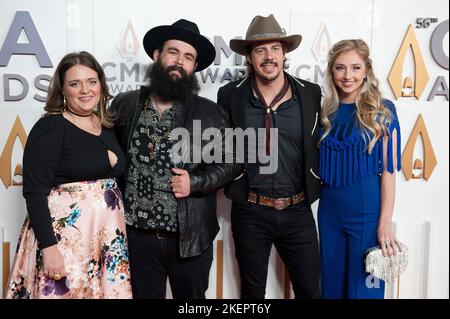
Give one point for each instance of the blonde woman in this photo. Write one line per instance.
(359, 154)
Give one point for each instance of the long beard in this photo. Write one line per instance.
(169, 88)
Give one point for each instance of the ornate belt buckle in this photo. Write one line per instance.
(279, 203)
(252, 198)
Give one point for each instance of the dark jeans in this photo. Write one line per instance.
(153, 260)
(292, 231)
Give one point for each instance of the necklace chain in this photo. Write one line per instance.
(155, 139)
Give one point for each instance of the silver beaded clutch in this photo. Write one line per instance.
(386, 268)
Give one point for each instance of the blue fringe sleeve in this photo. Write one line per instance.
(394, 124)
(345, 160)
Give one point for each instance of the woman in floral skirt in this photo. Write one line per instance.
(73, 243)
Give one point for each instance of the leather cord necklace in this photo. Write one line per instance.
(268, 108)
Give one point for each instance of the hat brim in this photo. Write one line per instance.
(155, 37)
(291, 43)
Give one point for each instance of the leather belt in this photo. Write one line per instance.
(277, 203)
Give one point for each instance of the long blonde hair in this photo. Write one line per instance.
(373, 117)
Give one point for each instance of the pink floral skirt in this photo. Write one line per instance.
(88, 220)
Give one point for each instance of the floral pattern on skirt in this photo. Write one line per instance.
(88, 221)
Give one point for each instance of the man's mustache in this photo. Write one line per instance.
(269, 63)
(176, 68)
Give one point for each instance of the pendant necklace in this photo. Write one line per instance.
(155, 139)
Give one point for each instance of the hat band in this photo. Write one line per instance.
(267, 35)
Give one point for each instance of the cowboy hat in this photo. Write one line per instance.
(265, 29)
(185, 31)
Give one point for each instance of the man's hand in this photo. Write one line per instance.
(181, 183)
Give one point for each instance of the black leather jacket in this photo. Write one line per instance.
(198, 225)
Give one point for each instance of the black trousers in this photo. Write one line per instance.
(292, 231)
(154, 259)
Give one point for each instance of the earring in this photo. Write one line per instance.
(365, 79)
(65, 102)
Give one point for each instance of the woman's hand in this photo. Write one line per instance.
(53, 263)
(389, 245)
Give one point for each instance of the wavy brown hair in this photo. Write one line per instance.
(373, 117)
(55, 98)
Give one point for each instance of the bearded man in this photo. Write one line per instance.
(170, 206)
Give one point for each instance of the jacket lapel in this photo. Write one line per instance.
(238, 96)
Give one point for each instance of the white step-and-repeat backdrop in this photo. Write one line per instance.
(410, 48)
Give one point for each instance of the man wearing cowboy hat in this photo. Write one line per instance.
(170, 211)
(275, 208)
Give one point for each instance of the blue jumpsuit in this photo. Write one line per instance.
(350, 201)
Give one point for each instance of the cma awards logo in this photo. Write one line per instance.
(322, 44)
(6, 175)
(128, 45)
(418, 169)
(126, 73)
(414, 86)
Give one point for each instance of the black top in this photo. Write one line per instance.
(288, 178)
(58, 152)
